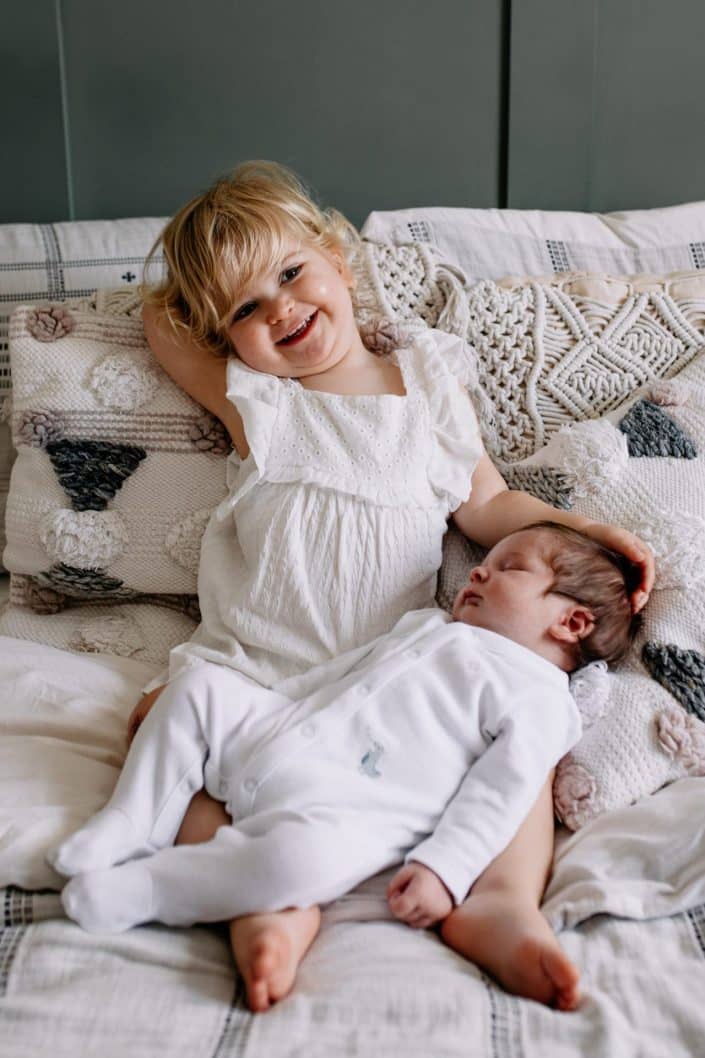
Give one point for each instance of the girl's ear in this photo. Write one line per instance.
(575, 623)
(343, 267)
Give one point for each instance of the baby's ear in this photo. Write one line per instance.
(575, 623)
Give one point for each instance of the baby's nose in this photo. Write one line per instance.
(479, 573)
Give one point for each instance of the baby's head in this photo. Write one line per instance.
(556, 591)
(237, 230)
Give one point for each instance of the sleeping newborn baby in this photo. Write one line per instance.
(429, 746)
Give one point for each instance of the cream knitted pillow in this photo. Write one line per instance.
(641, 467)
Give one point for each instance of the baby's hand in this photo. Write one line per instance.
(635, 550)
(417, 896)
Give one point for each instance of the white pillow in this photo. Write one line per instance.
(491, 243)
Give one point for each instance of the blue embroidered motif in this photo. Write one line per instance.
(368, 764)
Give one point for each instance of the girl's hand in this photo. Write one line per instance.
(635, 550)
(140, 711)
(417, 896)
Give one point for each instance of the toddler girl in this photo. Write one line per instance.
(346, 467)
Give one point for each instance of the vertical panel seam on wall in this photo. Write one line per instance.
(589, 185)
(504, 101)
(65, 108)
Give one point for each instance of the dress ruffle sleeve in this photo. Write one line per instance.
(440, 364)
(256, 397)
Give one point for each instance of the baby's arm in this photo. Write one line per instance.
(500, 787)
(140, 711)
(200, 373)
(493, 511)
(417, 896)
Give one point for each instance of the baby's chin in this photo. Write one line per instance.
(466, 613)
(478, 616)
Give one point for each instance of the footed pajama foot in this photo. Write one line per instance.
(111, 901)
(106, 839)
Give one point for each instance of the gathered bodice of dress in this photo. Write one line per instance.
(332, 526)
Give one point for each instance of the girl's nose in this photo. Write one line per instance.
(479, 574)
(279, 308)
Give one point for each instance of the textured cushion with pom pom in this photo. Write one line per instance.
(116, 474)
(641, 467)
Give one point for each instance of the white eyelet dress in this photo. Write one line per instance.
(333, 525)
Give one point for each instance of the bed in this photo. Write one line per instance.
(590, 379)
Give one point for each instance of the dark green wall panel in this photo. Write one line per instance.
(127, 108)
(649, 143)
(550, 104)
(34, 183)
(607, 109)
(376, 104)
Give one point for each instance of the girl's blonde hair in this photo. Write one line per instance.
(222, 239)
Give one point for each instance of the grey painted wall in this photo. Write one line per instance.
(607, 108)
(161, 96)
(127, 108)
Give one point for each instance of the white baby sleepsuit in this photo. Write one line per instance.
(433, 745)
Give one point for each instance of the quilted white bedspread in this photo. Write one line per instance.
(628, 892)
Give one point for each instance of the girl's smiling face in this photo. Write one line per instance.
(296, 319)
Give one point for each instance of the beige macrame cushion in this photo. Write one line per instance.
(550, 350)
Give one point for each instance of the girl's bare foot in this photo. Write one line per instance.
(515, 944)
(268, 949)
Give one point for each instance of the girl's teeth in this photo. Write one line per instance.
(298, 330)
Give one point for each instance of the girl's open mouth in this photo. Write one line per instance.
(301, 331)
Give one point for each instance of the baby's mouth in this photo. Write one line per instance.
(299, 332)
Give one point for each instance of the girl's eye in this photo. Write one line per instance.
(290, 273)
(244, 311)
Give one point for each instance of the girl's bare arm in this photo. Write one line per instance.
(493, 511)
(200, 373)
